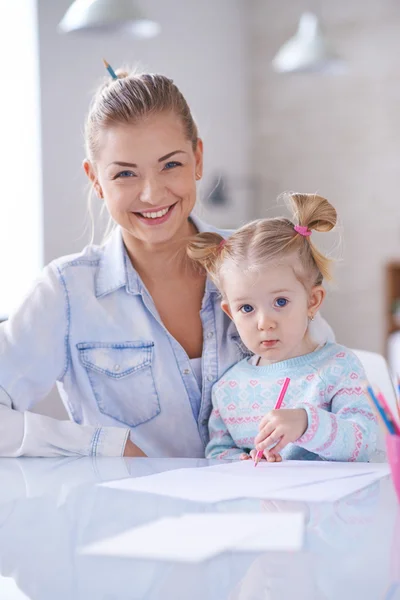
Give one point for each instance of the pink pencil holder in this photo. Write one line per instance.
(393, 452)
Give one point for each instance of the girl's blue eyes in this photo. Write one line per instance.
(167, 167)
(281, 302)
(246, 308)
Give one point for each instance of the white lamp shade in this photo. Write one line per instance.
(307, 50)
(106, 15)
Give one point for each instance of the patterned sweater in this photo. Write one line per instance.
(328, 383)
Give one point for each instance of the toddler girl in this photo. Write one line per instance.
(270, 277)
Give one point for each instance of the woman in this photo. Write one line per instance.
(131, 331)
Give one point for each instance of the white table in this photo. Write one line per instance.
(50, 507)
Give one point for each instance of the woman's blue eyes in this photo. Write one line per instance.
(281, 302)
(246, 308)
(172, 164)
(125, 174)
(167, 167)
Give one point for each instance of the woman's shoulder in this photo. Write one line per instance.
(89, 255)
(102, 267)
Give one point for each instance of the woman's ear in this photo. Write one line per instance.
(226, 309)
(198, 154)
(90, 172)
(316, 299)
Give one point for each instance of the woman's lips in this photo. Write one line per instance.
(156, 220)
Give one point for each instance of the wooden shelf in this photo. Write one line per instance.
(392, 295)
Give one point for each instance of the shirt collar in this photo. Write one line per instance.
(111, 274)
(116, 270)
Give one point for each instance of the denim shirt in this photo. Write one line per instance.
(90, 325)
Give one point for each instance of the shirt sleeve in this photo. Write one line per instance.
(221, 444)
(33, 356)
(347, 429)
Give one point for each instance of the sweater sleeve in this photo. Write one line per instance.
(221, 444)
(347, 429)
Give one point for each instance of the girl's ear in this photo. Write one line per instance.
(315, 301)
(226, 309)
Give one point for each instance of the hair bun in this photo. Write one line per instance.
(122, 74)
(313, 211)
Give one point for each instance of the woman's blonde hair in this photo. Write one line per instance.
(264, 240)
(131, 98)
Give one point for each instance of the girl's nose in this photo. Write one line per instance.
(266, 322)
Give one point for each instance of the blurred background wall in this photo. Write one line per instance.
(338, 135)
(331, 128)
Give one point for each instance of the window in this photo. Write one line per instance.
(20, 154)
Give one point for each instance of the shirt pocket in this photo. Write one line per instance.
(121, 377)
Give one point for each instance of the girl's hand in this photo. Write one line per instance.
(280, 427)
(269, 455)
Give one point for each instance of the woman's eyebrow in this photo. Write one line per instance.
(127, 164)
(171, 154)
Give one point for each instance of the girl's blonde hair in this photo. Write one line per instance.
(264, 240)
(129, 99)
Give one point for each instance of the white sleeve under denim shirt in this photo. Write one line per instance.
(90, 325)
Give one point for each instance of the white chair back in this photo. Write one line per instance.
(378, 374)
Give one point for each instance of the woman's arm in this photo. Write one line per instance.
(33, 355)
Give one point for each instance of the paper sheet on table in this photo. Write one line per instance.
(196, 537)
(294, 479)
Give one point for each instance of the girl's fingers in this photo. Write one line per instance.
(271, 456)
(244, 456)
(263, 434)
(280, 445)
(263, 422)
(270, 440)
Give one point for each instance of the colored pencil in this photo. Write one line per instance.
(381, 398)
(386, 420)
(277, 406)
(110, 69)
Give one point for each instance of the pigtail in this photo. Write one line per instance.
(206, 249)
(315, 213)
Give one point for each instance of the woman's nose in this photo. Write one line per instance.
(151, 192)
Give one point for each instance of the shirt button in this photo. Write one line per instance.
(186, 371)
(210, 378)
(116, 367)
(210, 334)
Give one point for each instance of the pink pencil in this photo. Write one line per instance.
(277, 406)
(389, 414)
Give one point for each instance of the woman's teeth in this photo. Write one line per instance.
(155, 215)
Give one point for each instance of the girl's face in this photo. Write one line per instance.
(271, 309)
(146, 173)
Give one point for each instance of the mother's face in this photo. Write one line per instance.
(146, 172)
